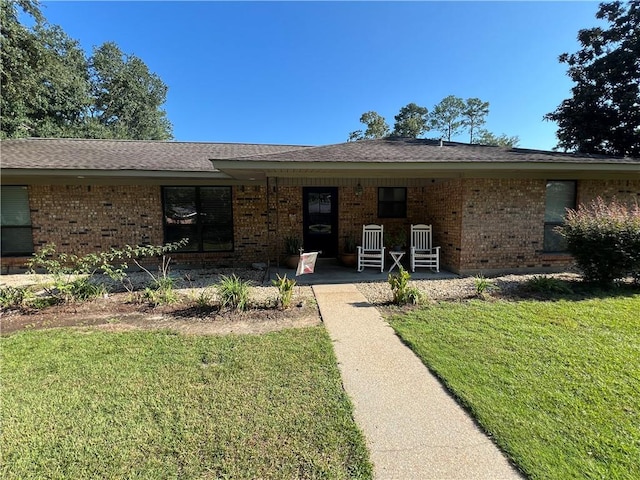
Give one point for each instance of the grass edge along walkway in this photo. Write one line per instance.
(90, 404)
(557, 384)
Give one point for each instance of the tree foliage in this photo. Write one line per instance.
(603, 114)
(126, 96)
(450, 117)
(377, 127)
(475, 115)
(412, 121)
(43, 75)
(446, 116)
(485, 137)
(50, 88)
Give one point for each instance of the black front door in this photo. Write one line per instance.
(320, 220)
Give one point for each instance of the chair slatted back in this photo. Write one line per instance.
(421, 236)
(372, 237)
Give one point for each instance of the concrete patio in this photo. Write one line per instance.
(330, 271)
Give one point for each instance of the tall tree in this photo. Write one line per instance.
(50, 89)
(60, 105)
(603, 114)
(127, 96)
(43, 75)
(475, 115)
(446, 117)
(377, 127)
(411, 121)
(485, 137)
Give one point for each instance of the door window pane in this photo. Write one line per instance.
(319, 209)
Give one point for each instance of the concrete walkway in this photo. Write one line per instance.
(414, 428)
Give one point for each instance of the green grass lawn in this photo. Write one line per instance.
(556, 383)
(91, 404)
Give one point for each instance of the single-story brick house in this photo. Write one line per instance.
(492, 209)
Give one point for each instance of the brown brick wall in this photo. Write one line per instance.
(89, 218)
(287, 217)
(251, 241)
(481, 225)
(502, 224)
(444, 213)
(627, 191)
(356, 211)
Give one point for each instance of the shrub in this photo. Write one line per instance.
(402, 292)
(233, 292)
(604, 239)
(285, 289)
(71, 274)
(13, 297)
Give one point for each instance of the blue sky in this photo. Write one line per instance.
(304, 72)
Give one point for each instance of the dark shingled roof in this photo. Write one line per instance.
(411, 150)
(138, 155)
(62, 153)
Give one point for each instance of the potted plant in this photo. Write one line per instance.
(292, 246)
(397, 239)
(348, 256)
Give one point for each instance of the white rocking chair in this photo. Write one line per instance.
(423, 253)
(371, 252)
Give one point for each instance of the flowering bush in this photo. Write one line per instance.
(604, 239)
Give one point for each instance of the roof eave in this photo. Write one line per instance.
(427, 169)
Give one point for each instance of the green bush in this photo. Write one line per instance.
(233, 292)
(402, 292)
(604, 239)
(72, 274)
(14, 297)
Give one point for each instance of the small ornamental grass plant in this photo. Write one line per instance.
(484, 287)
(549, 285)
(233, 292)
(285, 290)
(604, 239)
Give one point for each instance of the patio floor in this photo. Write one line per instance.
(330, 271)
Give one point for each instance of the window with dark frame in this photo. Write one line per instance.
(16, 237)
(560, 195)
(392, 202)
(204, 215)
